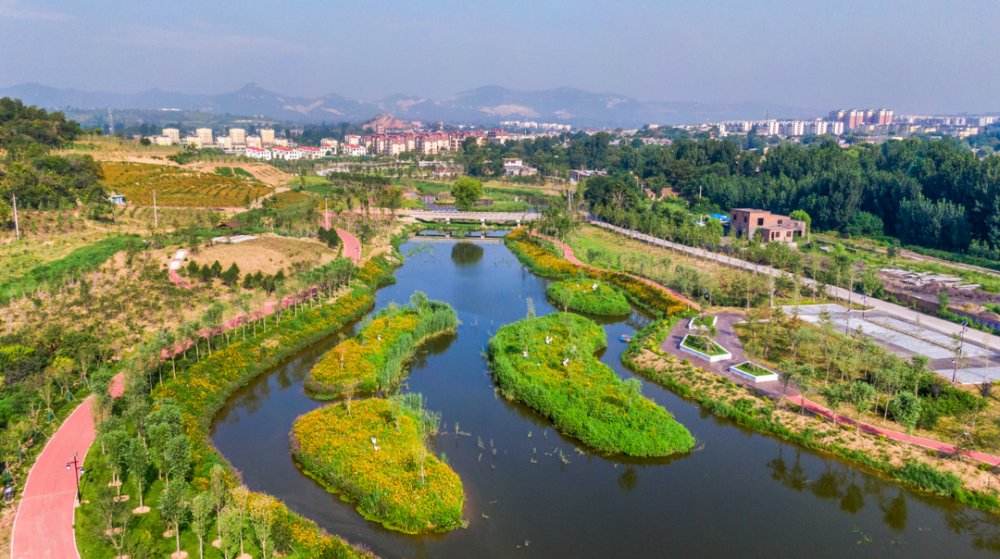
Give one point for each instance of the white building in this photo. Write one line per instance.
(817, 127)
(835, 128)
(174, 135)
(354, 150)
(258, 153)
(224, 142)
(328, 142)
(311, 153)
(767, 128)
(288, 154)
(792, 128)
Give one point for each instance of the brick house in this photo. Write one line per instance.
(744, 222)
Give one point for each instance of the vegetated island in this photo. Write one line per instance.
(374, 453)
(374, 358)
(589, 296)
(548, 363)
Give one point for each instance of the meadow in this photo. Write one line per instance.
(588, 296)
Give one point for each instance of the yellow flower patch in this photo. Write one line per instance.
(401, 484)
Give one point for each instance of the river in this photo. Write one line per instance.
(739, 494)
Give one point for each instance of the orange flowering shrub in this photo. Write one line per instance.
(395, 480)
(654, 298)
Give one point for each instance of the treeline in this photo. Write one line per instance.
(30, 173)
(357, 179)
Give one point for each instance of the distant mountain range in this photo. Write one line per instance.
(483, 105)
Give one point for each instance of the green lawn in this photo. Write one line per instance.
(704, 345)
(754, 369)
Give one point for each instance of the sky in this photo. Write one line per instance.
(913, 56)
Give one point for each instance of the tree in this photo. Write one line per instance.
(862, 397)
(173, 508)
(262, 520)
(114, 518)
(201, 514)
(177, 456)
(801, 215)
(231, 275)
(217, 489)
(137, 459)
(114, 444)
(906, 410)
(466, 192)
(238, 501)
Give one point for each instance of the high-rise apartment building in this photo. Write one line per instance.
(238, 136)
(174, 135)
(205, 136)
(267, 136)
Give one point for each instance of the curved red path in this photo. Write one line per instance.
(568, 252)
(43, 527)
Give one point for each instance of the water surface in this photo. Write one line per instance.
(740, 494)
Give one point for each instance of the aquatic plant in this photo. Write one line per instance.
(548, 364)
(586, 295)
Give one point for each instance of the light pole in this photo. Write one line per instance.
(961, 343)
(864, 305)
(76, 473)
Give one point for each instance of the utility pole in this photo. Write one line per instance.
(958, 356)
(156, 219)
(76, 474)
(17, 226)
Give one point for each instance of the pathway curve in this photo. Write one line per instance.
(43, 527)
(896, 311)
(568, 252)
(728, 339)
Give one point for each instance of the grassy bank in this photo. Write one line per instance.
(548, 364)
(914, 466)
(589, 296)
(200, 390)
(394, 480)
(541, 261)
(374, 358)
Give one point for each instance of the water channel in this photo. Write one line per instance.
(740, 494)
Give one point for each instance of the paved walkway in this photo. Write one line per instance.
(568, 252)
(43, 527)
(728, 339)
(896, 311)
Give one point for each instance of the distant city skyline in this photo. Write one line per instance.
(914, 57)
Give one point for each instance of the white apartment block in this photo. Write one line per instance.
(767, 127)
(174, 135)
(288, 154)
(258, 153)
(254, 142)
(354, 150)
(224, 142)
(205, 136)
(311, 153)
(792, 128)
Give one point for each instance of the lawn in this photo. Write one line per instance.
(549, 365)
(704, 345)
(705, 321)
(753, 369)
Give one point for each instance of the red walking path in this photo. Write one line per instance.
(43, 527)
(568, 252)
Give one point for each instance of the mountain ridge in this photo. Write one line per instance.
(483, 105)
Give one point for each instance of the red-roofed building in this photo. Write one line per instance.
(258, 153)
(287, 154)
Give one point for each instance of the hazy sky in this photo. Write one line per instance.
(911, 56)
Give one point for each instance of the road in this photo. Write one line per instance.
(890, 309)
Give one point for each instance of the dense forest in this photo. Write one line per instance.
(28, 171)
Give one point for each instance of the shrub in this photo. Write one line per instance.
(589, 296)
(929, 478)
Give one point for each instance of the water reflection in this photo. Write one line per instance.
(464, 254)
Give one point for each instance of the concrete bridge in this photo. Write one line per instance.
(481, 217)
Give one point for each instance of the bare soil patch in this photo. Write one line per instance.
(268, 254)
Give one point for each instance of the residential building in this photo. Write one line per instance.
(267, 137)
(163, 141)
(817, 127)
(288, 154)
(238, 136)
(205, 136)
(792, 128)
(258, 153)
(282, 142)
(835, 128)
(174, 135)
(224, 142)
(352, 139)
(193, 141)
(745, 222)
(116, 198)
(328, 142)
(577, 176)
(254, 142)
(354, 150)
(767, 128)
(311, 153)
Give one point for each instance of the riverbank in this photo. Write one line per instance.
(548, 364)
(916, 467)
(650, 297)
(201, 389)
(374, 453)
(374, 358)
(588, 296)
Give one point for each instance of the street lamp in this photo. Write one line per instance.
(864, 305)
(961, 343)
(76, 473)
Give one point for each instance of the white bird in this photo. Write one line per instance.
(548, 340)
(594, 287)
(374, 440)
(376, 449)
(380, 337)
(565, 362)
(525, 353)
